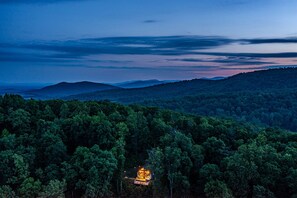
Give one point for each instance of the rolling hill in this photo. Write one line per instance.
(65, 89)
(267, 98)
(141, 83)
(265, 80)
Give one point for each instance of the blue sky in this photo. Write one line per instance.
(116, 40)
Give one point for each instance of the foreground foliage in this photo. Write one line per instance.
(73, 149)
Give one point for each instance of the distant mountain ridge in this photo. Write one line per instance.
(271, 79)
(214, 78)
(65, 89)
(142, 83)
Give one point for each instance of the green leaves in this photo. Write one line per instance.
(30, 188)
(217, 189)
(48, 148)
(215, 150)
(20, 120)
(254, 164)
(92, 170)
(172, 163)
(14, 169)
(210, 172)
(55, 188)
(7, 192)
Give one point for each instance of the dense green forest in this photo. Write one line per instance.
(277, 108)
(61, 148)
(267, 97)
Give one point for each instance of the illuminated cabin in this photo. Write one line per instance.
(144, 177)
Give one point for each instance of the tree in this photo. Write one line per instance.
(30, 188)
(215, 150)
(48, 113)
(217, 189)
(20, 120)
(5, 133)
(12, 102)
(51, 172)
(118, 151)
(7, 140)
(64, 111)
(292, 180)
(159, 128)
(241, 174)
(54, 189)
(76, 130)
(253, 164)
(53, 149)
(261, 192)
(101, 131)
(94, 170)
(139, 132)
(210, 172)
(14, 170)
(197, 158)
(173, 161)
(156, 164)
(7, 192)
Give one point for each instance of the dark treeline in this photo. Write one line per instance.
(57, 148)
(276, 109)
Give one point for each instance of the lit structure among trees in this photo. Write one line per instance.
(144, 177)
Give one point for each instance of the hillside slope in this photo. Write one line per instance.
(265, 80)
(65, 89)
(140, 83)
(276, 108)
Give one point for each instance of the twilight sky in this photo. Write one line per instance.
(49, 41)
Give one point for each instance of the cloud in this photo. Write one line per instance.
(6, 56)
(167, 42)
(252, 55)
(240, 62)
(231, 61)
(85, 50)
(152, 45)
(111, 61)
(164, 45)
(162, 68)
(258, 68)
(270, 40)
(150, 21)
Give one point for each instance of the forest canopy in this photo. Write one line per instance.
(276, 108)
(61, 148)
